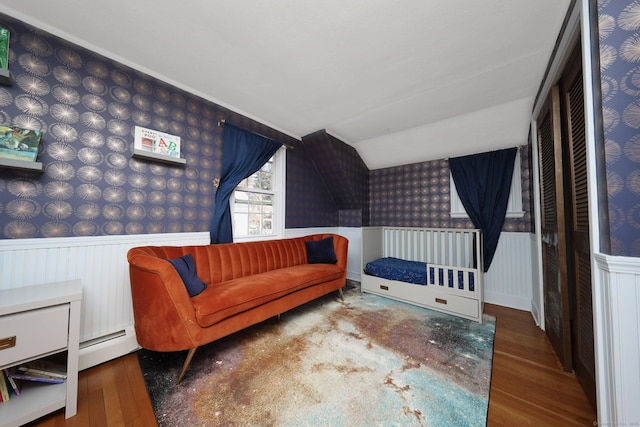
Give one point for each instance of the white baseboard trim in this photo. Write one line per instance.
(536, 313)
(104, 351)
(519, 303)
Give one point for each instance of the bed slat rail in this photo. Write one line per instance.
(446, 246)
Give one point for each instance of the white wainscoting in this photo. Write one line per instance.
(100, 263)
(353, 234)
(616, 310)
(354, 265)
(290, 233)
(509, 281)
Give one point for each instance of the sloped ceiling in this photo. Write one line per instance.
(402, 81)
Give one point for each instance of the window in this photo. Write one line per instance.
(514, 208)
(257, 204)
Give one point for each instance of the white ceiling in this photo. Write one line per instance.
(402, 81)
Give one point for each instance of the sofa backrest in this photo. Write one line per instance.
(226, 261)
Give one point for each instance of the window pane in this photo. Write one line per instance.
(253, 182)
(254, 201)
(265, 180)
(253, 213)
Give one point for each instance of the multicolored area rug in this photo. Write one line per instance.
(367, 361)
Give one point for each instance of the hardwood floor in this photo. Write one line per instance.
(111, 394)
(528, 385)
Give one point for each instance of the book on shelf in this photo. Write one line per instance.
(17, 375)
(4, 48)
(4, 389)
(41, 372)
(44, 367)
(12, 382)
(155, 141)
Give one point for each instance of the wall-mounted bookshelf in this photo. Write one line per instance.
(5, 77)
(21, 164)
(158, 157)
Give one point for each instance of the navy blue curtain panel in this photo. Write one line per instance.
(483, 182)
(243, 154)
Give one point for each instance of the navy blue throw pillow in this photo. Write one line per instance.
(321, 251)
(186, 268)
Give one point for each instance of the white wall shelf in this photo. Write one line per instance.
(158, 157)
(21, 164)
(5, 77)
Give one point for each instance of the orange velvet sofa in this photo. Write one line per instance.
(246, 283)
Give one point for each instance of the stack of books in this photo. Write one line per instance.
(42, 371)
(8, 386)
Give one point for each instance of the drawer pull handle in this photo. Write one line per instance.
(441, 301)
(384, 288)
(7, 342)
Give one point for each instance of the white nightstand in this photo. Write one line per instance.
(35, 322)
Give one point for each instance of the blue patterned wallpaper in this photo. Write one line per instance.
(619, 30)
(417, 195)
(357, 175)
(344, 174)
(309, 202)
(87, 107)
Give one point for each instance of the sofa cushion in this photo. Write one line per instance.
(186, 268)
(222, 300)
(321, 251)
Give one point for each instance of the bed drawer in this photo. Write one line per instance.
(35, 332)
(424, 296)
(455, 304)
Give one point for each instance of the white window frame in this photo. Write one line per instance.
(278, 170)
(514, 207)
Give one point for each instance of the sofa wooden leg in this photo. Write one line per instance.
(192, 351)
(341, 294)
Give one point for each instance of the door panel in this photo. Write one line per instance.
(554, 252)
(579, 244)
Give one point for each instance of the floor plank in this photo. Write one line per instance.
(528, 385)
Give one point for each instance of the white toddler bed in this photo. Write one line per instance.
(445, 266)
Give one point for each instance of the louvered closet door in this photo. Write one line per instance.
(579, 245)
(554, 259)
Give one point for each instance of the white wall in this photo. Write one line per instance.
(509, 281)
(616, 312)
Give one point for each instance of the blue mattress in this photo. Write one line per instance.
(416, 272)
(398, 269)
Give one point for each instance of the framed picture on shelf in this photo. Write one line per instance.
(157, 142)
(19, 144)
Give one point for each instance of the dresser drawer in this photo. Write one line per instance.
(33, 333)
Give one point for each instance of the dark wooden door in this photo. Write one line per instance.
(579, 274)
(553, 228)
